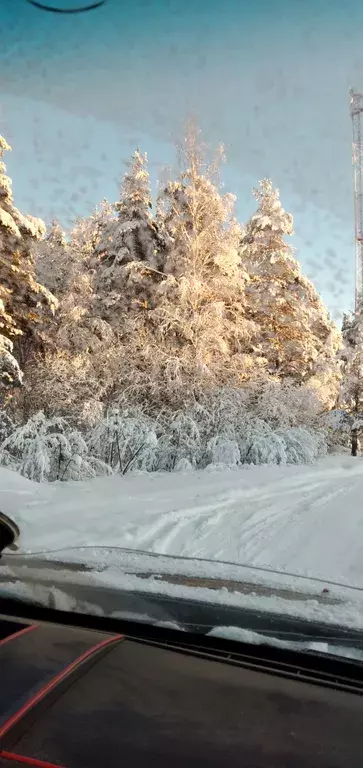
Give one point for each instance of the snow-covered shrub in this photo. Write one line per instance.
(180, 442)
(296, 445)
(338, 419)
(183, 465)
(220, 412)
(90, 414)
(219, 430)
(321, 438)
(124, 439)
(80, 464)
(302, 446)
(259, 444)
(285, 404)
(222, 429)
(46, 450)
(337, 425)
(201, 433)
(222, 450)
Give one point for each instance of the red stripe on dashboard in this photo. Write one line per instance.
(18, 634)
(54, 682)
(27, 760)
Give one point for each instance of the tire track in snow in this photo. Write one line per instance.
(252, 527)
(305, 536)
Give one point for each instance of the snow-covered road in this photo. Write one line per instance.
(302, 519)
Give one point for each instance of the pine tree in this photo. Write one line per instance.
(79, 304)
(10, 373)
(25, 305)
(56, 236)
(53, 260)
(351, 393)
(129, 247)
(298, 339)
(89, 230)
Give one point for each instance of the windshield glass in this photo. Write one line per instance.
(181, 327)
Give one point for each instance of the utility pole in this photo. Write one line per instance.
(356, 110)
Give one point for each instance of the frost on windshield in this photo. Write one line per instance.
(180, 377)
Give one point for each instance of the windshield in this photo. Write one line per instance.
(181, 328)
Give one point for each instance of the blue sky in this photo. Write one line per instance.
(269, 78)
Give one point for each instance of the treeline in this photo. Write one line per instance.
(158, 308)
(166, 308)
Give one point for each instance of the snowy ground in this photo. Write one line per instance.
(304, 521)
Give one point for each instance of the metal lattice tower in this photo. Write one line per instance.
(356, 111)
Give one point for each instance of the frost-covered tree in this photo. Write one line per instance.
(129, 249)
(25, 305)
(56, 235)
(79, 299)
(297, 337)
(131, 235)
(84, 367)
(285, 404)
(79, 372)
(196, 335)
(351, 393)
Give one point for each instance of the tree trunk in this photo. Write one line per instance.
(354, 442)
